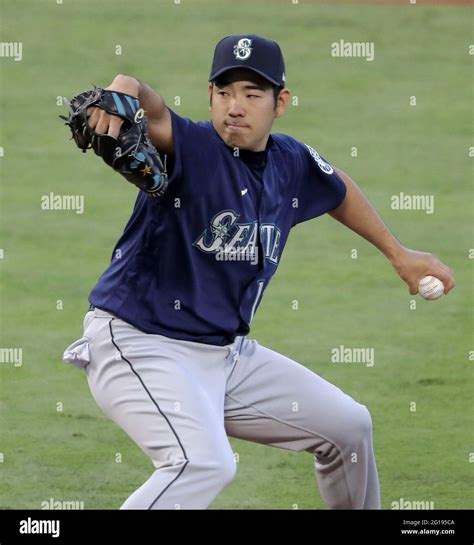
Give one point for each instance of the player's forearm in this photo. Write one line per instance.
(360, 216)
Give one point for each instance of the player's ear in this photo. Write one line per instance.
(282, 102)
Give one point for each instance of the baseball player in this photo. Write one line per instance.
(165, 345)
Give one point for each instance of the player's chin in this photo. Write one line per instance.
(236, 141)
(237, 134)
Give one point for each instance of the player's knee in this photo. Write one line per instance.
(359, 427)
(365, 421)
(220, 469)
(224, 470)
(352, 430)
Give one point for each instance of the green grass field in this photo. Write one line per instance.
(421, 355)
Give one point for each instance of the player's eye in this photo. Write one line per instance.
(253, 96)
(222, 93)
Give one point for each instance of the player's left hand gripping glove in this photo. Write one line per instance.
(131, 154)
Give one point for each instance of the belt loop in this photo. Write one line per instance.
(237, 349)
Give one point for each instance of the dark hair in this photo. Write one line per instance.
(276, 92)
(221, 81)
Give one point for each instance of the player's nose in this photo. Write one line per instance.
(236, 108)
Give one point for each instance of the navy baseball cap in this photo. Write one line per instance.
(249, 51)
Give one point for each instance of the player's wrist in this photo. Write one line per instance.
(125, 84)
(395, 253)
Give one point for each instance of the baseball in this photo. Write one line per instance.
(431, 288)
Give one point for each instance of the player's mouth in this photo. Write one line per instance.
(235, 126)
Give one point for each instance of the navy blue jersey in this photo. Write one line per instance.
(193, 265)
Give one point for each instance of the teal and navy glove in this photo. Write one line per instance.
(131, 154)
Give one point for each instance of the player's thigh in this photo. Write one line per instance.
(137, 380)
(274, 400)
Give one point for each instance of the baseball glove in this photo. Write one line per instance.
(131, 154)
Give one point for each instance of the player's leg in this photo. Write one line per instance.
(273, 400)
(147, 385)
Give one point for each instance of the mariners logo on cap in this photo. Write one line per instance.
(242, 49)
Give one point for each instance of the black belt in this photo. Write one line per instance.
(91, 307)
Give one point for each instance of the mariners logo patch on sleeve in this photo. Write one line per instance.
(325, 167)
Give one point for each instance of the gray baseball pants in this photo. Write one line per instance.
(179, 401)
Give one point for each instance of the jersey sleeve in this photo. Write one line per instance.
(318, 187)
(192, 146)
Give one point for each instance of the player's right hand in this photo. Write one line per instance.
(412, 266)
(105, 123)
